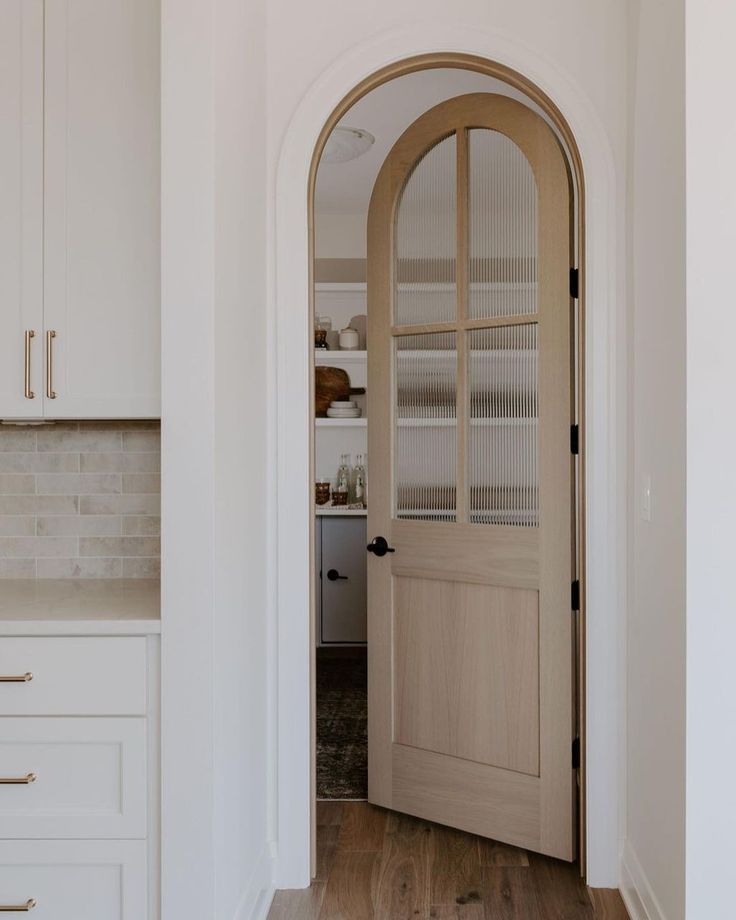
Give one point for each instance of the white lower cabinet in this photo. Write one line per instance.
(74, 880)
(343, 579)
(73, 778)
(79, 802)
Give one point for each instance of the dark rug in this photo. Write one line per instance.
(342, 724)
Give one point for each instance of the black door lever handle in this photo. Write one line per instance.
(334, 575)
(379, 546)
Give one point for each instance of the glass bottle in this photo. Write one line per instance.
(358, 496)
(343, 474)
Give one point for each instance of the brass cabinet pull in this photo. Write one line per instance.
(19, 908)
(50, 336)
(18, 780)
(27, 391)
(16, 678)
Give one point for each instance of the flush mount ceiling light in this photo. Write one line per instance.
(346, 144)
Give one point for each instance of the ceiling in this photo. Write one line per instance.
(386, 112)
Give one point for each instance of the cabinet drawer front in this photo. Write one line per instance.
(73, 676)
(75, 880)
(88, 778)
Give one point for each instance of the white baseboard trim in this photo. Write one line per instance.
(258, 895)
(637, 894)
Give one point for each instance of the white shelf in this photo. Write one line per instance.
(325, 356)
(330, 511)
(361, 422)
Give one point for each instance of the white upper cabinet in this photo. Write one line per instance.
(96, 349)
(21, 206)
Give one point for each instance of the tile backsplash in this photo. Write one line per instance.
(80, 500)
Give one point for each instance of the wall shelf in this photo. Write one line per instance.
(331, 511)
(361, 422)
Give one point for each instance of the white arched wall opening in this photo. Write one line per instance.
(290, 280)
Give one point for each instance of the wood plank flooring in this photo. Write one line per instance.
(374, 864)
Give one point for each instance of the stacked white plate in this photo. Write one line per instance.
(344, 409)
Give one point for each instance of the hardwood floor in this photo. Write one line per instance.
(374, 864)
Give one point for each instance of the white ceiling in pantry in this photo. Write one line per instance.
(345, 188)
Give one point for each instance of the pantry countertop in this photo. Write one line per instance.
(80, 607)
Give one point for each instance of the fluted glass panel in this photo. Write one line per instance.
(502, 204)
(426, 426)
(503, 459)
(425, 239)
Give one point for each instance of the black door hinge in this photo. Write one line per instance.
(574, 283)
(575, 595)
(574, 439)
(576, 753)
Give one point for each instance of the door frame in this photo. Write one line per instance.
(601, 415)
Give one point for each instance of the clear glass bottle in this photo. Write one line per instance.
(343, 474)
(358, 490)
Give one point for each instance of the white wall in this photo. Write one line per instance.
(216, 745)
(711, 449)
(654, 852)
(577, 50)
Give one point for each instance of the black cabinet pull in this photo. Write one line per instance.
(379, 546)
(334, 575)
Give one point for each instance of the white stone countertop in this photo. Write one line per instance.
(74, 607)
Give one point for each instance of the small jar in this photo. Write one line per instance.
(322, 491)
(349, 339)
(340, 498)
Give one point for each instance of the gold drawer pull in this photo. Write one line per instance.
(19, 908)
(27, 391)
(50, 336)
(16, 679)
(18, 780)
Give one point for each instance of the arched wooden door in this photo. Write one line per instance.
(470, 637)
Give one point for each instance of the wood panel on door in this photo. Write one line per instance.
(471, 716)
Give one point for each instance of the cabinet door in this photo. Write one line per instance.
(343, 594)
(21, 214)
(101, 208)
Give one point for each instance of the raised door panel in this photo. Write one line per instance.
(73, 778)
(102, 210)
(74, 879)
(21, 209)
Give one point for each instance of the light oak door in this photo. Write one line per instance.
(21, 208)
(470, 628)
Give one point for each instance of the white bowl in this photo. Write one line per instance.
(344, 413)
(343, 404)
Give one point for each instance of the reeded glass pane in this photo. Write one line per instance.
(426, 426)
(503, 227)
(425, 239)
(503, 452)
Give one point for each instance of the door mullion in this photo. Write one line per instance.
(461, 282)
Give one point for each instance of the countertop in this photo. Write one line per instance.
(75, 607)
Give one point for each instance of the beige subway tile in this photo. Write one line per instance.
(51, 439)
(119, 546)
(32, 462)
(120, 504)
(36, 547)
(39, 504)
(17, 568)
(13, 439)
(141, 526)
(17, 525)
(17, 484)
(141, 424)
(77, 483)
(78, 525)
(124, 462)
(141, 440)
(80, 568)
(142, 568)
(149, 483)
